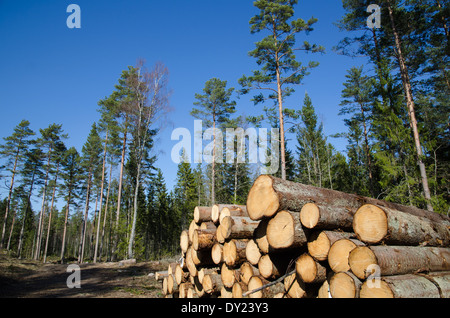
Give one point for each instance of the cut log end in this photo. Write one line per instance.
(370, 223)
(309, 215)
(338, 255)
(342, 285)
(281, 231)
(262, 200)
(382, 290)
(360, 260)
(306, 268)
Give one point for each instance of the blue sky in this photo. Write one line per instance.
(52, 74)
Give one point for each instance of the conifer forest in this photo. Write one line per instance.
(109, 200)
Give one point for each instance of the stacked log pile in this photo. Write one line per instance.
(293, 240)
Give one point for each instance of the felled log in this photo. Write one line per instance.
(398, 260)
(234, 252)
(319, 216)
(309, 270)
(344, 285)
(373, 224)
(229, 275)
(239, 211)
(284, 230)
(269, 194)
(258, 282)
(212, 283)
(217, 209)
(294, 286)
(240, 227)
(184, 240)
(238, 289)
(319, 242)
(202, 214)
(252, 252)
(180, 274)
(247, 270)
(339, 252)
(206, 271)
(272, 266)
(184, 289)
(217, 253)
(204, 239)
(434, 285)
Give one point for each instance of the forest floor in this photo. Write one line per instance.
(33, 279)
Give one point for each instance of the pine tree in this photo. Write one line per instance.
(214, 108)
(14, 150)
(275, 54)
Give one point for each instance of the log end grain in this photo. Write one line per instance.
(281, 231)
(306, 268)
(252, 252)
(262, 200)
(309, 215)
(361, 260)
(319, 245)
(342, 285)
(370, 223)
(338, 255)
(184, 241)
(217, 253)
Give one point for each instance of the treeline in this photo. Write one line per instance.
(115, 203)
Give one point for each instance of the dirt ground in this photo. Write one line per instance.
(27, 278)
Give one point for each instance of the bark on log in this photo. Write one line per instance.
(202, 214)
(212, 283)
(398, 260)
(240, 227)
(204, 239)
(180, 275)
(247, 270)
(240, 211)
(294, 286)
(319, 243)
(319, 216)
(269, 194)
(272, 266)
(206, 271)
(252, 252)
(309, 270)
(285, 231)
(407, 286)
(373, 224)
(161, 275)
(217, 208)
(257, 282)
(238, 289)
(339, 253)
(344, 285)
(234, 252)
(184, 289)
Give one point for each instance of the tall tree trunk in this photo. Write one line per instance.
(22, 230)
(41, 216)
(12, 229)
(50, 214)
(119, 193)
(213, 172)
(63, 245)
(135, 206)
(9, 197)
(101, 199)
(86, 210)
(280, 114)
(411, 108)
(106, 209)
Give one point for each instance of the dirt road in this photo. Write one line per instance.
(25, 278)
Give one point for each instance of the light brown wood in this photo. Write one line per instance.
(407, 286)
(161, 275)
(269, 195)
(206, 271)
(181, 276)
(256, 282)
(203, 239)
(184, 240)
(237, 227)
(272, 266)
(285, 231)
(294, 286)
(319, 243)
(318, 216)
(202, 214)
(260, 236)
(172, 286)
(339, 252)
(229, 275)
(309, 270)
(324, 290)
(201, 257)
(252, 252)
(192, 268)
(226, 292)
(233, 210)
(217, 209)
(234, 252)
(373, 224)
(217, 253)
(238, 289)
(247, 270)
(184, 288)
(398, 260)
(344, 285)
(212, 283)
